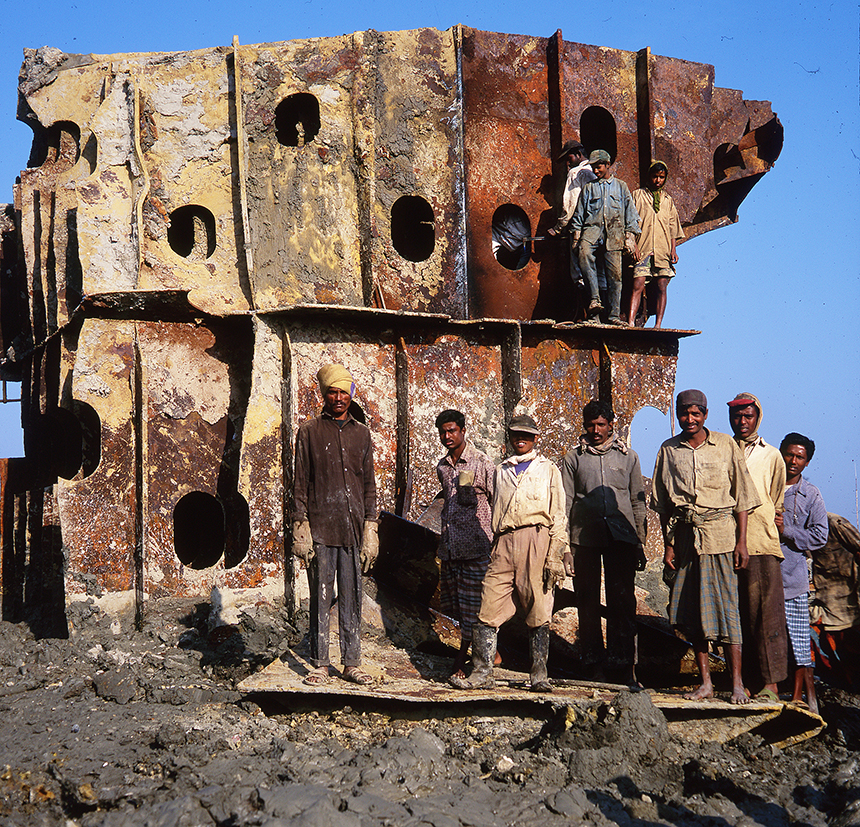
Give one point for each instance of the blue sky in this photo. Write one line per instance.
(775, 296)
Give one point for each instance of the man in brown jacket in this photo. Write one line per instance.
(334, 528)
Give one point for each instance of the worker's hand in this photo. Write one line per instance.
(780, 523)
(369, 546)
(669, 557)
(574, 241)
(630, 245)
(552, 231)
(303, 544)
(636, 256)
(553, 568)
(553, 573)
(674, 257)
(567, 562)
(742, 557)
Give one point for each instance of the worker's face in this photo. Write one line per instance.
(744, 420)
(521, 441)
(598, 430)
(336, 403)
(601, 169)
(574, 159)
(692, 419)
(796, 460)
(452, 436)
(658, 178)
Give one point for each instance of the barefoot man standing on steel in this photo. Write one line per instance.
(703, 494)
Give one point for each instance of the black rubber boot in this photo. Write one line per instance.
(483, 653)
(539, 645)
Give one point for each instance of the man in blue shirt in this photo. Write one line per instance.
(604, 215)
(803, 529)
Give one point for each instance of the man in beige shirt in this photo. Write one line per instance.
(529, 542)
(703, 493)
(762, 598)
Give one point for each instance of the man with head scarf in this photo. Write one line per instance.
(762, 598)
(656, 248)
(334, 528)
(703, 493)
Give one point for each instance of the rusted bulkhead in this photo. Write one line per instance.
(196, 233)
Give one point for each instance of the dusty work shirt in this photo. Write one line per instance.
(533, 497)
(605, 212)
(712, 477)
(335, 486)
(605, 495)
(805, 529)
(767, 469)
(577, 178)
(467, 532)
(659, 229)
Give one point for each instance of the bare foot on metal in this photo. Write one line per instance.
(739, 696)
(706, 690)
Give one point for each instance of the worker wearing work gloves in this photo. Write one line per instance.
(529, 541)
(334, 528)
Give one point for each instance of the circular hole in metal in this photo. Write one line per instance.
(511, 226)
(198, 530)
(413, 228)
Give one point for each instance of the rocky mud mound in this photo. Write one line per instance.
(121, 727)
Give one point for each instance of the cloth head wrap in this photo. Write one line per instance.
(742, 400)
(335, 376)
(655, 194)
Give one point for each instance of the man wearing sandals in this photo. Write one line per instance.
(334, 528)
(762, 598)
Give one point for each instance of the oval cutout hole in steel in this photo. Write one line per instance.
(297, 119)
(511, 226)
(413, 228)
(191, 233)
(198, 530)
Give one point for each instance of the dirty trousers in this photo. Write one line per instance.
(619, 572)
(330, 562)
(612, 267)
(515, 578)
(762, 605)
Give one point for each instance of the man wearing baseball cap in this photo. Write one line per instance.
(334, 522)
(529, 542)
(703, 493)
(604, 217)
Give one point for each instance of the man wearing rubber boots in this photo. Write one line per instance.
(529, 542)
(335, 528)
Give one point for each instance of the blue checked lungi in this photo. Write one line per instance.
(799, 631)
(460, 583)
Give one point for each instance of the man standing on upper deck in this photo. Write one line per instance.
(604, 216)
(762, 599)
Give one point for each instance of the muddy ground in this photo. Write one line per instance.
(121, 727)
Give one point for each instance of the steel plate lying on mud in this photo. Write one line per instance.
(416, 677)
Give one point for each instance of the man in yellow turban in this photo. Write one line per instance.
(335, 528)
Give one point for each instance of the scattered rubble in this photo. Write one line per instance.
(122, 727)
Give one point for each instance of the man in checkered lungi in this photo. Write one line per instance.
(803, 529)
(466, 476)
(703, 494)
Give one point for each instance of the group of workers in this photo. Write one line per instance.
(603, 219)
(738, 521)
